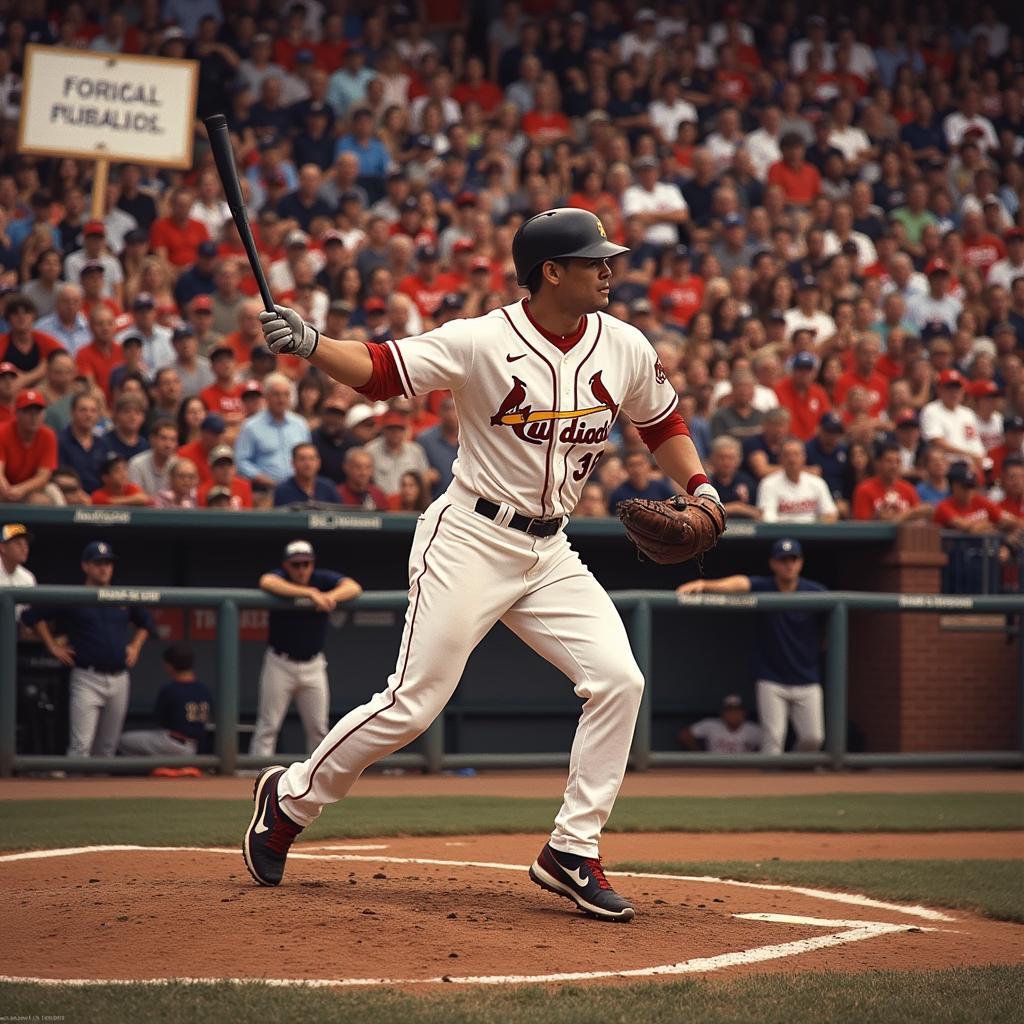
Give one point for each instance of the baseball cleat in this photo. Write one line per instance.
(582, 880)
(270, 832)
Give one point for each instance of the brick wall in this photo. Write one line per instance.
(916, 685)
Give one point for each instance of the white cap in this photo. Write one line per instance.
(358, 414)
(298, 548)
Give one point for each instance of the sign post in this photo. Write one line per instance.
(105, 107)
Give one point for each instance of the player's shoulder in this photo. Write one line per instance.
(623, 331)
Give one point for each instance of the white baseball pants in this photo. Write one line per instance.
(280, 681)
(98, 704)
(146, 742)
(466, 573)
(777, 703)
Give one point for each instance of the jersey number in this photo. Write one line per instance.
(587, 465)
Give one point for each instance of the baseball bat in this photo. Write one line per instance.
(224, 157)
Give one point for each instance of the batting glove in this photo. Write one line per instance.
(707, 491)
(287, 333)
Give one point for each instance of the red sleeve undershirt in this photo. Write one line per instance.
(384, 383)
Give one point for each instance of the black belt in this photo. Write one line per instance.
(103, 670)
(289, 657)
(535, 527)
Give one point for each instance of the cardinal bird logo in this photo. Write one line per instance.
(659, 372)
(535, 426)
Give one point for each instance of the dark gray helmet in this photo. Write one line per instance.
(560, 234)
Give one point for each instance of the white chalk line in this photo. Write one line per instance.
(852, 930)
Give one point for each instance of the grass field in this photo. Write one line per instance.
(29, 824)
(994, 887)
(933, 997)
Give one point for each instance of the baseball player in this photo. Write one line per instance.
(294, 664)
(537, 386)
(786, 652)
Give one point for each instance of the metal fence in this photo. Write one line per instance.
(981, 564)
(637, 607)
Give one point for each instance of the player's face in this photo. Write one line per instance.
(299, 570)
(98, 573)
(787, 569)
(584, 285)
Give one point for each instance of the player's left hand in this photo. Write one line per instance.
(708, 491)
(673, 531)
(286, 333)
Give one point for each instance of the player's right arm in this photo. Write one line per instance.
(726, 585)
(345, 360)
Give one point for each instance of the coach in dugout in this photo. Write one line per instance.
(101, 645)
(294, 664)
(787, 647)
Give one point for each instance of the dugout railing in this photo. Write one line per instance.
(635, 605)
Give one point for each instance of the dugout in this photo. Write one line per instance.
(909, 675)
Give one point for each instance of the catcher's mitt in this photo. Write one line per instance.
(673, 531)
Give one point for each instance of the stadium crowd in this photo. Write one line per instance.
(823, 214)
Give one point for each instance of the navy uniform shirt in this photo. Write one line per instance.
(300, 634)
(742, 488)
(184, 708)
(757, 444)
(787, 645)
(98, 633)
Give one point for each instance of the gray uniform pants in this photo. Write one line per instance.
(280, 681)
(99, 702)
(143, 742)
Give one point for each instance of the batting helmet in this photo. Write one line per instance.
(560, 234)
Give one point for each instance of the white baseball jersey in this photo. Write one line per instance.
(781, 500)
(990, 431)
(533, 421)
(957, 427)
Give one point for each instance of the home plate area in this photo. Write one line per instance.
(416, 911)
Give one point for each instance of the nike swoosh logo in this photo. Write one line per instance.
(261, 827)
(579, 878)
(512, 359)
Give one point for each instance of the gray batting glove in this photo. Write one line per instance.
(287, 333)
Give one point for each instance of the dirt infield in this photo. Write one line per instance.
(364, 912)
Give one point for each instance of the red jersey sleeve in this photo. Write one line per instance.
(384, 382)
(654, 437)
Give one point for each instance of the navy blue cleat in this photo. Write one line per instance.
(580, 879)
(270, 833)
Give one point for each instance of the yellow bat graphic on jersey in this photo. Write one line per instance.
(514, 419)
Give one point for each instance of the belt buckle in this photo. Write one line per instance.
(542, 523)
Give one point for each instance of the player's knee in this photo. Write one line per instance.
(808, 742)
(630, 683)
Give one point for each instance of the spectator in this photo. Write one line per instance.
(440, 443)
(786, 651)
(237, 491)
(1004, 271)
(949, 425)
(305, 485)
(330, 440)
(96, 360)
(988, 418)
(657, 205)
(639, 482)
(795, 495)
(294, 666)
(226, 299)
(727, 733)
(265, 442)
(907, 437)
(22, 345)
(150, 469)
(865, 374)
(66, 480)
(100, 650)
(805, 400)
(1012, 444)
(393, 454)
(94, 254)
(224, 395)
(183, 710)
(183, 479)
(799, 180)
(41, 290)
(57, 388)
(15, 540)
(413, 494)
(125, 437)
(115, 487)
(807, 313)
(67, 323)
(592, 503)
(166, 395)
(193, 369)
(156, 339)
(967, 510)
(211, 434)
(938, 305)
(740, 418)
(761, 452)
(79, 447)
(358, 490)
(736, 488)
(1013, 489)
(886, 495)
(28, 454)
(176, 238)
(933, 487)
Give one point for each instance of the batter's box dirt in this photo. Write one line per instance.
(363, 918)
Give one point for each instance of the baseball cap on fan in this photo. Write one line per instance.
(297, 549)
(787, 547)
(11, 530)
